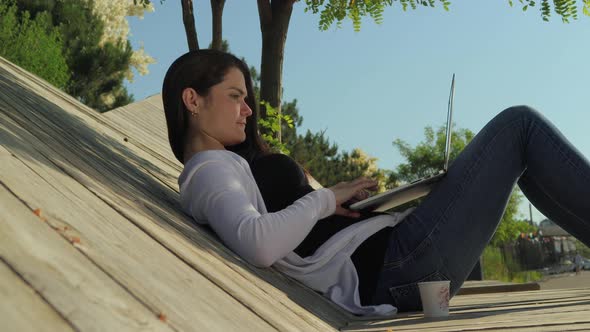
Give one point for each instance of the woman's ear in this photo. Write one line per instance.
(191, 98)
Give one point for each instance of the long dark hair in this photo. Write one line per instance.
(201, 70)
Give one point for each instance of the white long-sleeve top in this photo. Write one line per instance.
(217, 188)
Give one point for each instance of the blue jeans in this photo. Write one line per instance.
(444, 236)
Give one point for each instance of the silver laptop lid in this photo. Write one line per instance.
(449, 125)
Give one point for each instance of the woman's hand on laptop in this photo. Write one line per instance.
(350, 192)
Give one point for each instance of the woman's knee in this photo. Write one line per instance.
(521, 112)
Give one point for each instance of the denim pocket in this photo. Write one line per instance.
(407, 297)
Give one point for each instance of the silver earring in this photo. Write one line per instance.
(194, 113)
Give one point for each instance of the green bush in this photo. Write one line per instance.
(582, 249)
(495, 267)
(270, 127)
(33, 44)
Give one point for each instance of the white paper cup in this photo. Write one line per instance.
(435, 297)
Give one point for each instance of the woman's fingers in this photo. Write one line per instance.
(365, 184)
(346, 212)
(356, 190)
(361, 181)
(361, 194)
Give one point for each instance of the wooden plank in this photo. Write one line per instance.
(544, 296)
(151, 273)
(541, 310)
(144, 125)
(498, 288)
(22, 309)
(561, 328)
(121, 180)
(83, 294)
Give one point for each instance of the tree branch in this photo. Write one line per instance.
(217, 13)
(188, 19)
(264, 12)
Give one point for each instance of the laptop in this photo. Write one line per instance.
(415, 189)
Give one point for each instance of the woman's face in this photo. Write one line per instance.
(222, 114)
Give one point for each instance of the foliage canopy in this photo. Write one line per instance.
(33, 44)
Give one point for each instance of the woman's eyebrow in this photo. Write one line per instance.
(242, 92)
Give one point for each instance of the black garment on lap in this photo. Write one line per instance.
(282, 181)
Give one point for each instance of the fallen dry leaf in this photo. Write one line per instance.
(75, 239)
(37, 212)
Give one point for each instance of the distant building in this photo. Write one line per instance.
(563, 244)
(549, 228)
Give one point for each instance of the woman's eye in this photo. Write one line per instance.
(236, 97)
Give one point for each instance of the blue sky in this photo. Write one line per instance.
(391, 80)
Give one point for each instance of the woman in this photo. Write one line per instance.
(368, 267)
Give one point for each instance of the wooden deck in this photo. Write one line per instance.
(551, 310)
(92, 238)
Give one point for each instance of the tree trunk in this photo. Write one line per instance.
(274, 23)
(188, 18)
(217, 14)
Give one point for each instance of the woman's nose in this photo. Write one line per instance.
(246, 109)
